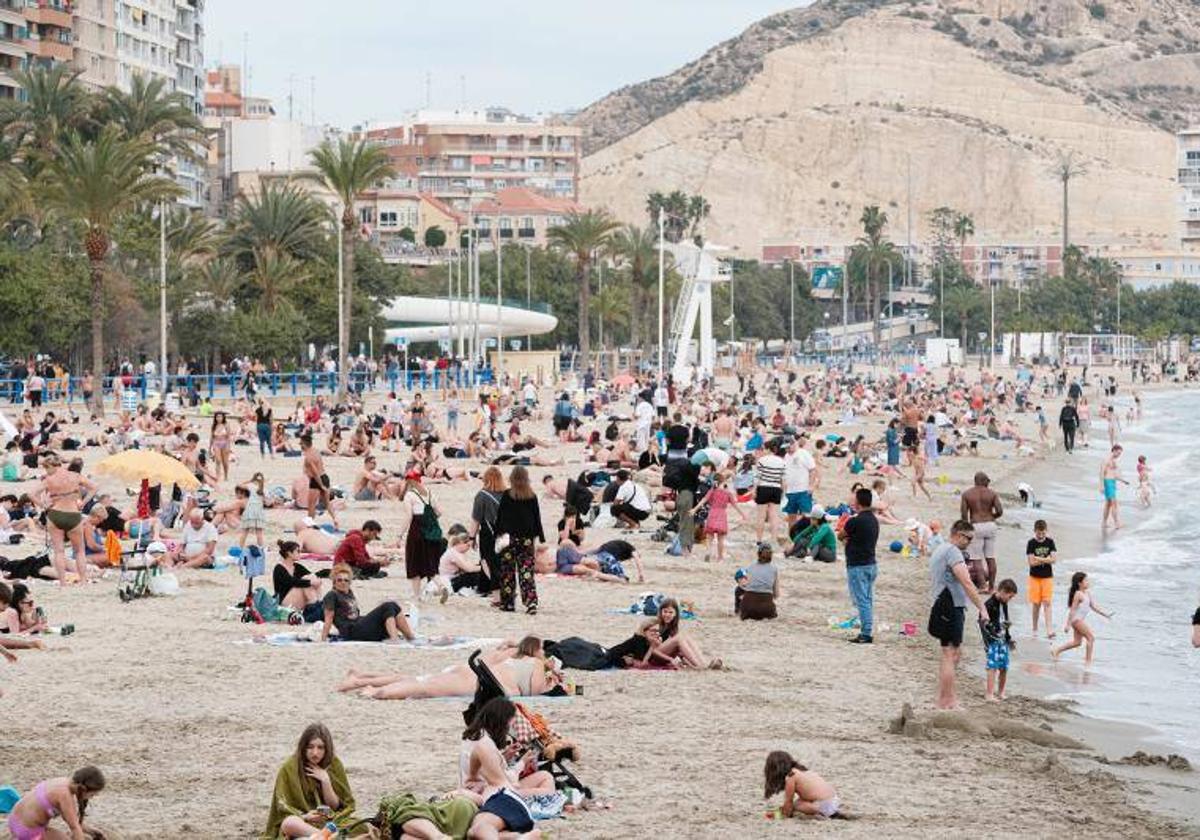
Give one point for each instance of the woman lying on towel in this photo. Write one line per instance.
(522, 671)
(310, 789)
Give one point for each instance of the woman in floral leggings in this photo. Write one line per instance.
(520, 518)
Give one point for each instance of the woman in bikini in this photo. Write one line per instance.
(61, 492)
(30, 817)
(219, 443)
(521, 671)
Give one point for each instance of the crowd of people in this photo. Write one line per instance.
(655, 463)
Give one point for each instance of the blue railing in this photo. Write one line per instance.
(231, 386)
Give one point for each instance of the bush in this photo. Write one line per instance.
(435, 237)
(408, 235)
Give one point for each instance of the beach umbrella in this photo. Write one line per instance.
(137, 465)
(623, 380)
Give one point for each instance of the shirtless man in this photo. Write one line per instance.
(910, 419)
(1110, 474)
(980, 506)
(313, 540)
(60, 491)
(371, 485)
(318, 480)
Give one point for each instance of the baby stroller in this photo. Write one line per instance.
(529, 730)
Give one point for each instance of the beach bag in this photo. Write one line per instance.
(431, 529)
(942, 616)
(112, 548)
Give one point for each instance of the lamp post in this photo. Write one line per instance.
(499, 303)
(661, 272)
(791, 305)
(992, 328)
(162, 295)
(341, 285)
(528, 290)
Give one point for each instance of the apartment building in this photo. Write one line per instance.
(1188, 142)
(1010, 263)
(389, 212)
(520, 215)
(462, 156)
(32, 32)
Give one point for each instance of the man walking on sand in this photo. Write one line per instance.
(318, 480)
(950, 588)
(1068, 421)
(1110, 474)
(980, 506)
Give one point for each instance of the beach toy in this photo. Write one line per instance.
(234, 551)
(896, 547)
(846, 624)
(740, 574)
(943, 478)
(909, 628)
(906, 551)
(775, 814)
(9, 797)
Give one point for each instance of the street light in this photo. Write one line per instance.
(791, 305)
(662, 220)
(162, 295)
(992, 328)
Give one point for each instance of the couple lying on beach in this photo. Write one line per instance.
(492, 800)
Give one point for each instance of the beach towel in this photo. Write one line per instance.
(287, 639)
(296, 795)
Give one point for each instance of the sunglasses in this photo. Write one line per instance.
(341, 580)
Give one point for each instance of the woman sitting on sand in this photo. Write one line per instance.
(484, 770)
(295, 586)
(386, 621)
(311, 789)
(668, 642)
(30, 817)
(522, 671)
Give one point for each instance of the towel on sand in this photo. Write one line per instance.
(428, 643)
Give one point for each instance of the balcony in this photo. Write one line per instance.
(50, 12)
(50, 48)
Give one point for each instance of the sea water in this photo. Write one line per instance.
(1147, 573)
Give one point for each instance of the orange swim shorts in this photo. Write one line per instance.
(1041, 590)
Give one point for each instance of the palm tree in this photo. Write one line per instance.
(1066, 167)
(698, 210)
(964, 228)
(149, 111)
(213, 287)
(961, 303)
(636, 250)
(275, 275)
(53, 104)
(347, 169)
(582, 235)
(94, 183)
(870, 253)
(281, 217)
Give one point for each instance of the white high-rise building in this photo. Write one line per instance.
(1189, 188)
(189, 81)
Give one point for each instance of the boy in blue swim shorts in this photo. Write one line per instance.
(996, 638)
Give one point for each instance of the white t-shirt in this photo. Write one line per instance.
(661, 396)
(446, 566)
(529, 392)
(719, 458)
(644, 413)
(796, 471)
(195, 540)
(634, 495)
(395, 411)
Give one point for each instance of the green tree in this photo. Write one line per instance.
(636, 252)
(872, 255)
(582, 235)
(148, 111)
(963, 303)
(964, 229)
(435, 237)
(348, 169)
(93, 183)
(281, 217)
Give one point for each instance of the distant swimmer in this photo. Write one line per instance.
(1145, 492)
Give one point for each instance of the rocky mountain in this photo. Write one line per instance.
(790, 128)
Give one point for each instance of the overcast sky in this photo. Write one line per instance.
(369, 58)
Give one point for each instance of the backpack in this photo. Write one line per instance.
(431, 529)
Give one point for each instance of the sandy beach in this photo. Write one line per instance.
(190, 726)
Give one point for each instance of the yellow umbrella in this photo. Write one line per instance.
(133, 465)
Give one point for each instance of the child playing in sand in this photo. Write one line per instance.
(804, 792)
(996, 639)
(455, 570)
(1081, 604)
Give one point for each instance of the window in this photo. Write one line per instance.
(387, 219)
(505, 223)
(527, 223)
(366, 215)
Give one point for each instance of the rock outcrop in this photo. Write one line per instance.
(791, 128)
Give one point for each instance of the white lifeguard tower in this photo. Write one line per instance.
(701, 269)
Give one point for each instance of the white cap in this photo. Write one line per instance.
(817, 512)
(912, 525)
(156, 548)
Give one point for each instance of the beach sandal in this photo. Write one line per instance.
(531, 610)
(716, 665)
